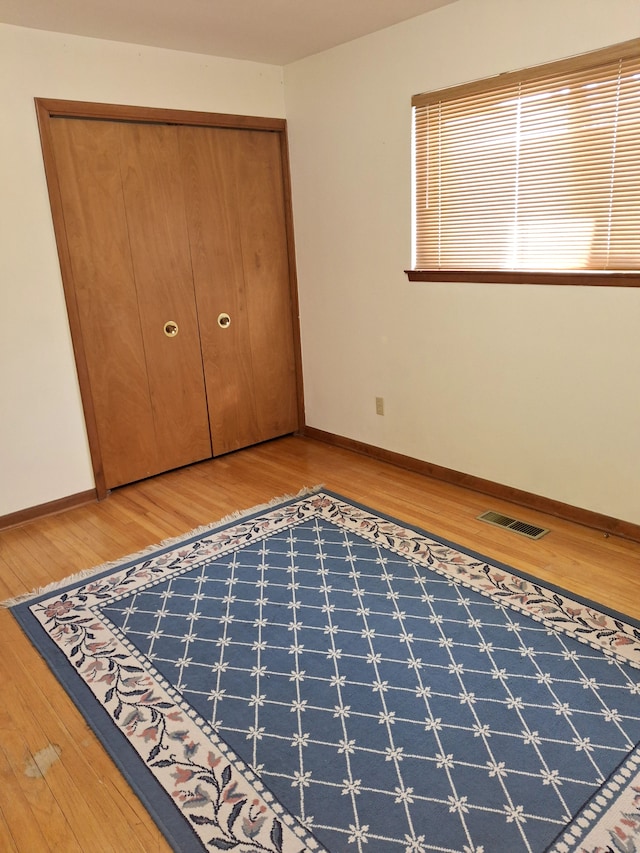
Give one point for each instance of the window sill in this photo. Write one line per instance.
(581, 278)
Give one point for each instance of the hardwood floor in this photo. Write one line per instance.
(59, 790)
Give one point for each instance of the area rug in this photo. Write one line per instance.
(316, 676)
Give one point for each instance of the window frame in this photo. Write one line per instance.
(571, 277)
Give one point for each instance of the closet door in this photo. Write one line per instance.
(154, 203)
(88, 166)
(126, 235)
(235, 206)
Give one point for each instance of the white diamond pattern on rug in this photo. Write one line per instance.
(378, 700)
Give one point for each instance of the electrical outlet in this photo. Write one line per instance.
(379, 405)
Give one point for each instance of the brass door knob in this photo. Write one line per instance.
(224, 321)
(170, 329)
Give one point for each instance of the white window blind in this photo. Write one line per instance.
(535, 170)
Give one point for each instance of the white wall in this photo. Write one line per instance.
(43, 446)
(533, 387)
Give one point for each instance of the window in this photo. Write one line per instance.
(535, 171)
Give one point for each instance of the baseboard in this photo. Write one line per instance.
(50, 508)
(594, 520)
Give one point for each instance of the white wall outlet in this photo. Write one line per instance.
(379, 405)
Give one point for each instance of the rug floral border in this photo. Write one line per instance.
(222, 800)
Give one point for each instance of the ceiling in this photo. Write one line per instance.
(272, 31)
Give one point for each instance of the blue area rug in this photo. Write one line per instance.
(315, 676)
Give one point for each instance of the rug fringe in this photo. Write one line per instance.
(151, 549)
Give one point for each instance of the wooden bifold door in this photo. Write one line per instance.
(175, 247)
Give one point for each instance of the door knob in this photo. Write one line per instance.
(170, 329)
(224, 321)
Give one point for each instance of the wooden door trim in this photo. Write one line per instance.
(55, 108)
(48, 109)
(293, 278)
(55, 199)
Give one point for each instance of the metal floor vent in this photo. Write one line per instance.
(521, 527)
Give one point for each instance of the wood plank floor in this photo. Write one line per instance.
(59, 790)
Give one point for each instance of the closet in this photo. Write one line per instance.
(174, 237)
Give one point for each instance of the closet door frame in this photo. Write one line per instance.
(48, 109)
